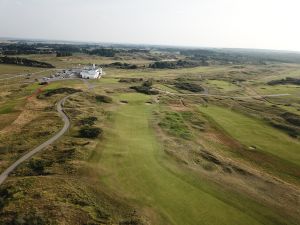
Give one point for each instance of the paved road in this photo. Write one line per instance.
(28, 155)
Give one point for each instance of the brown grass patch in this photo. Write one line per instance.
(7, 119)
(28, 114)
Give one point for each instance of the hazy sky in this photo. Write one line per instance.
(270, 24)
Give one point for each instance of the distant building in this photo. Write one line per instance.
(91, 73)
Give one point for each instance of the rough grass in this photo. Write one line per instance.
(13, 69)
(6, 119)
(174, 123)
(165, 88)
(278, 89)
(7, 108)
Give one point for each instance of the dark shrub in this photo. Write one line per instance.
(88, 121)
(292, 118)
(163, 65)
(145, 90)
(189, 87)
(24, 62)
(32, 218)
(290, 130)
(51, 92)
(90, 132)
(288, 80)
(43, 83)
(121, 65)
(38, 166)
(103, 98)
(148, 83)
(4, 196)
(130, 80)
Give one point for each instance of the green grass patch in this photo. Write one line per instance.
(223, 85)
(8, 108)
(174, 123)
(253, 132)
(278, 89)
(105, 80)
(13, 69)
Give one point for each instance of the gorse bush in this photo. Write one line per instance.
(24, 62)
(103, 99)
(90, 132)
(56, 91)
(38, 166)
(146, 88)
(189, 87)
(90, 121)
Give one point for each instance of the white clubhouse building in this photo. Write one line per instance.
(91, 73)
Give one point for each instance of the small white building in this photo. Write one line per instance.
(91, 73)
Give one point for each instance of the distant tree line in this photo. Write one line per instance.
(106, 52)
(24, 49)
(136, 50)
(63, 54)
(24, 62)
(176, 64)
(240, 56)
(121, 65)
(203, 56)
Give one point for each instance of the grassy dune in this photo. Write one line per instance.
(131, 165)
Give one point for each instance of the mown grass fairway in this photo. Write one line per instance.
(130, 161)
(252, 132)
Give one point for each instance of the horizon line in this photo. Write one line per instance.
(145, 44)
